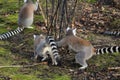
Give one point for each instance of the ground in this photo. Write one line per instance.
(18, 50)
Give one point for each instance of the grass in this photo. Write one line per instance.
(65, 77)
(8, 6)
(11, 55)
(8, 23)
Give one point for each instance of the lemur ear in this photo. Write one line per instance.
(67, 28)
(37, 0)
(34, 36)
(25, 1)
(74, 31)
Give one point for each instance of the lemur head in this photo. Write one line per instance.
(41, 36)
(70, 31)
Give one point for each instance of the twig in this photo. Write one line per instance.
(42, 12)
(110, 68)
(17, 66)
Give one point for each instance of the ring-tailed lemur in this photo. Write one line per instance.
(83, 48)
(25, 18)
(44, 46)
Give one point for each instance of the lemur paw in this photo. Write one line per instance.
(83, 67)
(30, 27)
(54, 63)
(43, 59)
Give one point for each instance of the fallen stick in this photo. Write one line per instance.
(110, 68)
(17, 66)
(116, 75)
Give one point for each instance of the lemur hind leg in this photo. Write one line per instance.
(81, 60)
(44, 53)
(54, 62)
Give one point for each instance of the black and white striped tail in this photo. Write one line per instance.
(53, 45)
(114, 33)
(10, 33)
(108, 50)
